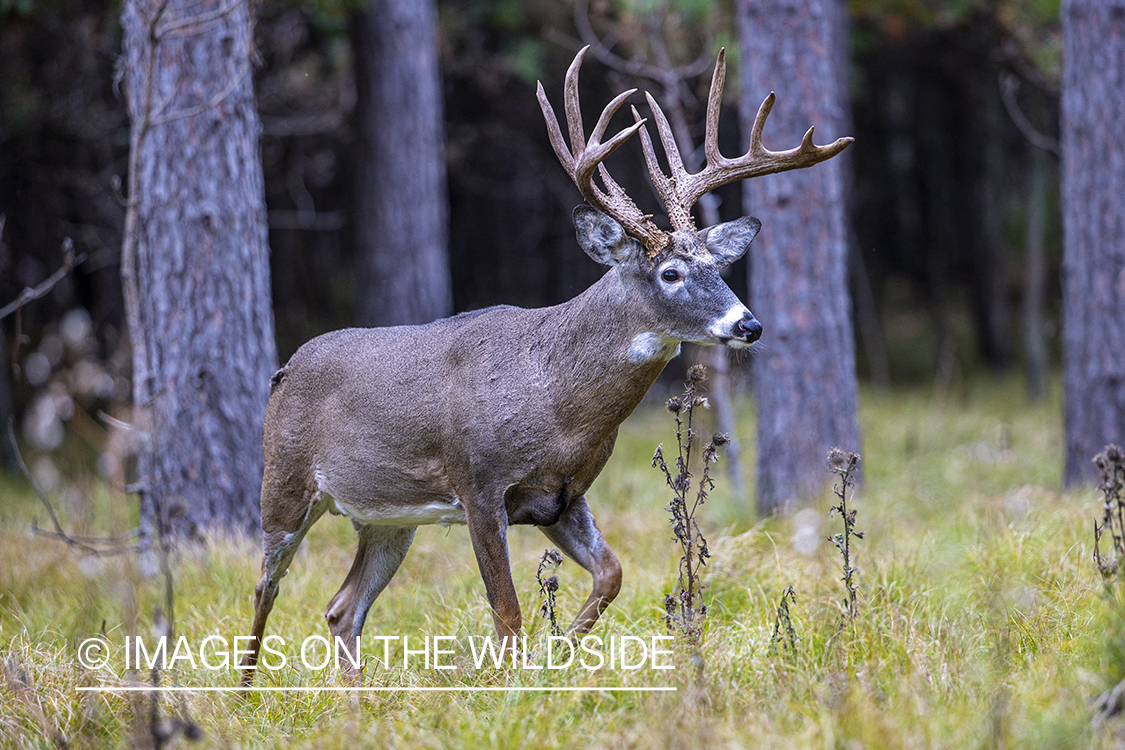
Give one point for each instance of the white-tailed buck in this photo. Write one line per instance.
(505, 416)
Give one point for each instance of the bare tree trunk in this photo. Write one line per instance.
(805, 372)
(984, 238)
(867, 322)
(1093, 183)
(195, 264)
(867, 318)
(1035, 278)
(401, 217)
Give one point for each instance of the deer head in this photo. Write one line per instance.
(673, 275)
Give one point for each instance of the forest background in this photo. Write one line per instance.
(953, 198)
(984, 621)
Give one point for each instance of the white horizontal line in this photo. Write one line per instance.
(421, 689)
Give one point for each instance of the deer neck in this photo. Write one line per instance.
(615, 355)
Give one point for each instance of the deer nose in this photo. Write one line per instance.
(749, 328)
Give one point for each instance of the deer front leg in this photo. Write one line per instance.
(580, 539)
(488, 530)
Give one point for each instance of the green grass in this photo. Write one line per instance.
(981, 621)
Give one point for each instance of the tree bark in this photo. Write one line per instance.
(804, 376)
(401, 218)
(195, 264)
(1035, 278)
(1093, 183)
(980, 210)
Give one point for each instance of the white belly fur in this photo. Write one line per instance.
(444, 512)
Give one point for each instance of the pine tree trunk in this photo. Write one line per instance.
(805, 370)
(1035, 278)
(1093, 186)
(401, 217)
(195, 264)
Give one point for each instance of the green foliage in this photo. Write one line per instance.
(527, 60)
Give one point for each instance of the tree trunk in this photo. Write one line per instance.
(804, 376)
(195, 264)
(401, 217)
(1035, 278)
(980, 211)
(1093, 183)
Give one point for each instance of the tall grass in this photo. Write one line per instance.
(981, 620)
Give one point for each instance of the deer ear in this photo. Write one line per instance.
(728, 242)
(601, 237)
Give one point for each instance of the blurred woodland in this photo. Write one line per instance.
(954, 232)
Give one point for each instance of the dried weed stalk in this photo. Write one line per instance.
(684, 608)
(551, 559)
(1111, 468)
(1111, 465)
(784, 634)
(844, 465)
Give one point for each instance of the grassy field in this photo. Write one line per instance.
(982, 621)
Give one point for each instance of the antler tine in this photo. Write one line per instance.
(554, 134)
(759, 160)
(665, 186)
(760, 125)
(592, 156)
(686, 189)
(714, 103)
(667, 140)
(585, 156)
(595, 147)
(571, 105)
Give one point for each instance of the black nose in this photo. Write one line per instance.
(749, 328)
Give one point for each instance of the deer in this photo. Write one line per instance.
(505, 416)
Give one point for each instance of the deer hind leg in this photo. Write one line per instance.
(284, 525)
(379, 554)
(578, 536)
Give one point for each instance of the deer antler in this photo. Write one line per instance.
(589, 155)
(681, 190)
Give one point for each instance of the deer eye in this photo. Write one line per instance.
(671, 275)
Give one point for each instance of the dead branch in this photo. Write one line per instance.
(1009, 88)
(70, 260)
(625, 65)
(85, 544)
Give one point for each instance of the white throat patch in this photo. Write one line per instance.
(649, 346)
